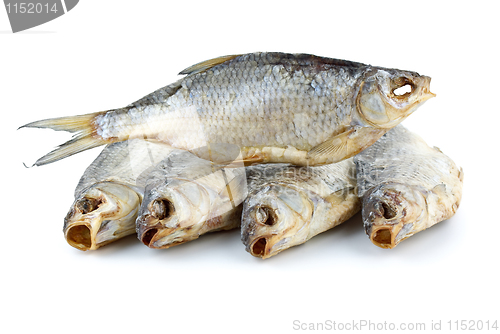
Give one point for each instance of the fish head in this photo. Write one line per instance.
(173, 213)
(106, 211)
(387, 96)
(274, 219)
(392, 212)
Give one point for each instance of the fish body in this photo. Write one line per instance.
(109, 194)
(288, 205)
(185, 197)
(406, 186)
(274, 107)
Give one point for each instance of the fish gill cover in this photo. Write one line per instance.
(26, 14)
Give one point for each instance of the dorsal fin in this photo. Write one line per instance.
(207, 64)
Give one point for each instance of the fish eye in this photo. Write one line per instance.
(162, 208)
(402, 87)
(86, 205)
(387, 211)
(265, 216)
(402, 90)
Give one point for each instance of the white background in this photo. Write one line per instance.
(106, 54)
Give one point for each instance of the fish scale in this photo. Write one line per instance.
(287, 205)
(264, 84)
(109, 193)
(406, 187)
(202, 198)
(254, 102)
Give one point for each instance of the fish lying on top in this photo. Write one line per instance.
(186, 197)
(275, 107)
(406, 187)
(288, 205)
(109, 194)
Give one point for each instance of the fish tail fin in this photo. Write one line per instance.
(79, 123)
(77, 144)
(85, 137)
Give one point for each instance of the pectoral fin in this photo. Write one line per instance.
(337, 197)
(335, 148)
(249, 161)
(344, 145)
(440, 190)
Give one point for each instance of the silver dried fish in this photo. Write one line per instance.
(288, 205)
(109, 194)
(186, 197)
(406, 187)
(275, 107)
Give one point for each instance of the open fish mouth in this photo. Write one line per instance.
(278, 220)
(148, 236)
(160, 237)
(259, 248)
(263, 216)
(80, 236)
(105, 213)
(172, 231)
(386, 214)
(389, 236)
(391, 213)
(426, 90)
(163, 226)
(151, 226)
(153, 238)
(266, 246)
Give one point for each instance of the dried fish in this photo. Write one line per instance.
(275, 107)
(109, 194)
(186, 197)
(288, 205)
(406, 187)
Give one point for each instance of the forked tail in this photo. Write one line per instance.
(85, 136)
